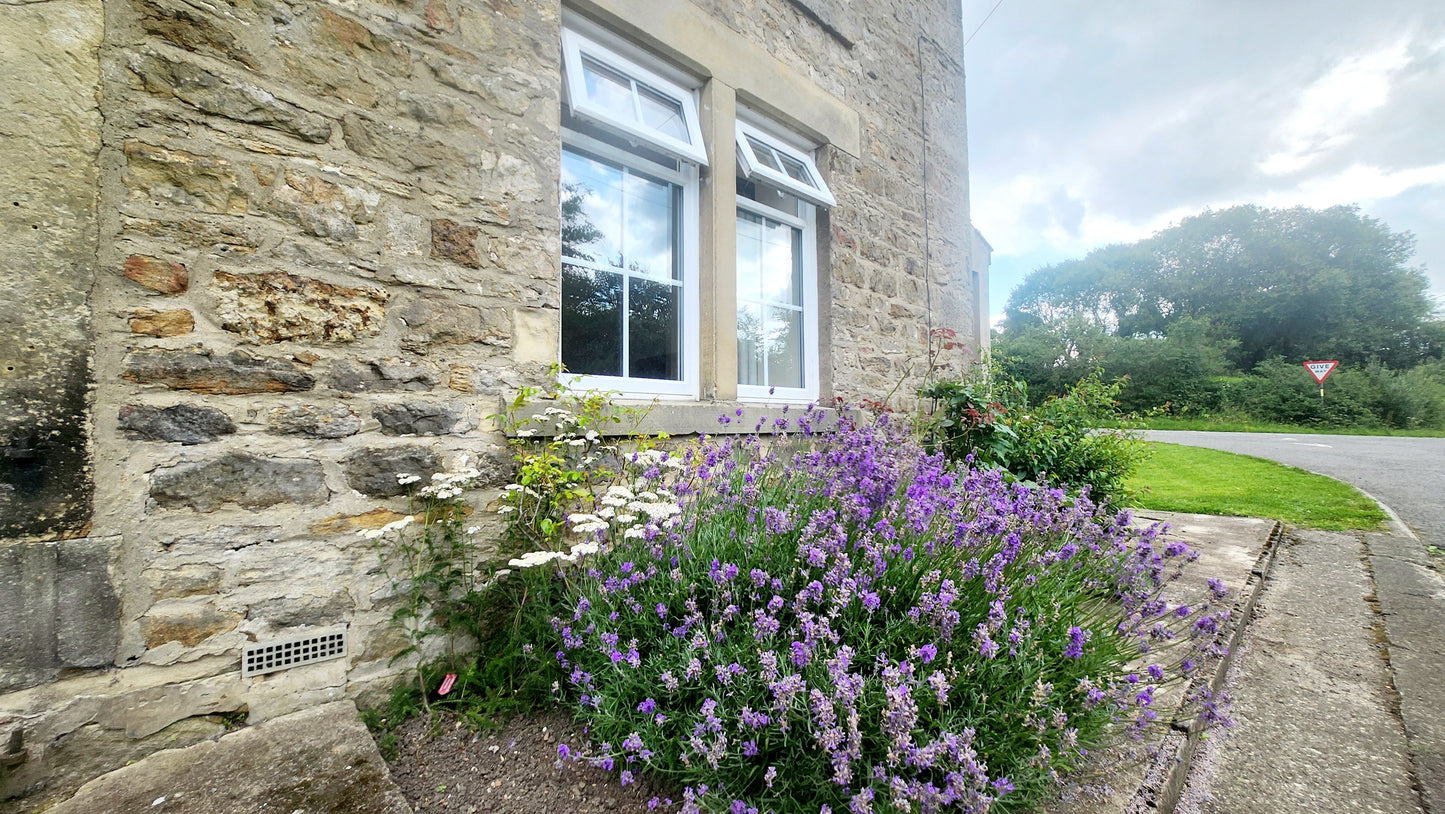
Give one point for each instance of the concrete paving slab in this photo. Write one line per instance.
(1315, 729)
(1137, 776)
(318, 761)
(1411, 595)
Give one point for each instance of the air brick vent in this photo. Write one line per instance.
(293, 651)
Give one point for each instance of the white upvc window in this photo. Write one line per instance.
(777, 268)
(769, 160)
(617, 93)
(629, 207)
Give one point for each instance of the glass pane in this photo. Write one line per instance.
(764, 154)
(608, 89)
(750, 344)
(591, 321)
(652, 227)
(591, 209)
(652, 330)
(663, 114)
(785, 347)
(795, 170)
(782, 274)
(750, 255)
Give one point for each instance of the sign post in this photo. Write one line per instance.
(1321, 371)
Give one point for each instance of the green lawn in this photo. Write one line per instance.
(1192, 479)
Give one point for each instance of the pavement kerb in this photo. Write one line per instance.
(1176, 754)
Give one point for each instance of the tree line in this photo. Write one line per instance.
(1214, 316)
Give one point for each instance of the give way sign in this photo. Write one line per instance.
(1320, 370)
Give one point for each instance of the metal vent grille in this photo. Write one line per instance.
(281, 654)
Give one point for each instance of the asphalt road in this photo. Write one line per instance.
(1406, 474)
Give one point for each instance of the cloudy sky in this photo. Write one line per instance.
(1100, 122)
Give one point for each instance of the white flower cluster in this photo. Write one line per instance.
(649, 457)
(534, 558)
(447, 485)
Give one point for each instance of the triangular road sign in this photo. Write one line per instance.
(1320, 370)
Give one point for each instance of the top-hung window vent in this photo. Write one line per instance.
(293, 651)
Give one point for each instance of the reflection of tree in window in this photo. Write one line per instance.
(614, 219)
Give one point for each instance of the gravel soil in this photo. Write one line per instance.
(442, 766)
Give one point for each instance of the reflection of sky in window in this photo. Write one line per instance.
(649, 241)
(768, 261)
(662, 113)
(634, 214)
(601, 188)
(608, 89)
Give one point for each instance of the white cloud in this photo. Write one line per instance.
(1330, 107)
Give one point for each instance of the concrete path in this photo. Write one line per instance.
(1408, 476)
(1314, 707)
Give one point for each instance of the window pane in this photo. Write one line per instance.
(782, 267)
(608, 89)
(591, 321)
(652, 227)
(652, 330)
(785, 347)
(764, 154)
(750, 344)
(591, 209)
(750, 255)
(663, 114)
(796, 170)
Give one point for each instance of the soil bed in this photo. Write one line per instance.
(442, 766)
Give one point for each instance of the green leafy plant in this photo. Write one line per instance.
(987, 418)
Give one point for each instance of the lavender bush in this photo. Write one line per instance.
(837, 621)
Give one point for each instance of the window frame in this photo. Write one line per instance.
(754, 169)
(687, 176)
(576, 46)
(806, 223)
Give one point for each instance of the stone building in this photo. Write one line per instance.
(259, 256)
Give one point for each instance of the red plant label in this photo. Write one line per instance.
(1320, 370)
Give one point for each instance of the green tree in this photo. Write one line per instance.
(1264, 283)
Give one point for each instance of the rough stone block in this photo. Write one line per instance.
(320, 760)
(536, 336)
(58, 609)
(303, 611)
(27, 615)
(183, 178)
(181, 581)
(380, 376)
(181, 423)
(373, 471)
(280, 307)
(325, 209)
(87, 610)
(342, 524)
(246, 480)
(227, 97)
(161, 276)
(454, 242)
(197, 27)
(203, 372)
(147, 322)
(402, 145)
(186, 621)
(422, 418)
(314, 421)
(432, 321)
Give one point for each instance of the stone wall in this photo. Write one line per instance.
(284, 251)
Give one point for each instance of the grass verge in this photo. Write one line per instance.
(1178, 478)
